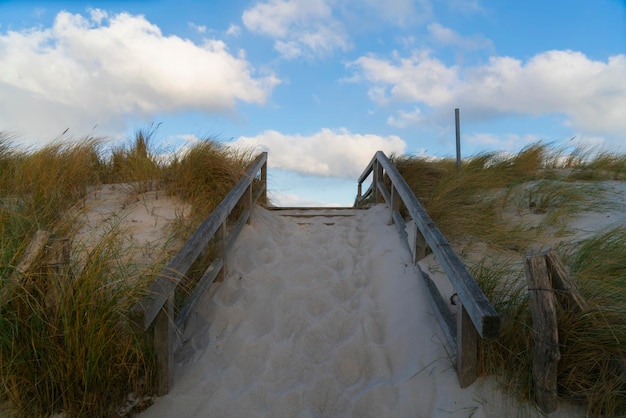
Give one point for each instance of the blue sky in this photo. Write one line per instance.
(320, 84)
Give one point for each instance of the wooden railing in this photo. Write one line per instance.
(475, 315)
(208, 245)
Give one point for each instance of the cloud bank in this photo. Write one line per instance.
(591, 93)
(336, 153)
(97, 69)
(316, 28)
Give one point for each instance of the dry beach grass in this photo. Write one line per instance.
(74, 352)
(77, 354)
(499, 208)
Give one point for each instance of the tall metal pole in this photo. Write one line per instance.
(458, 140)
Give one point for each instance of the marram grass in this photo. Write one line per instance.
(481, 204)
(65, 341)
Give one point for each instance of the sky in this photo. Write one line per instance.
(319, 84)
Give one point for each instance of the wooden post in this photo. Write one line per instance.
(164, 334)
(457, 122)
(395, 203)
(420, 246)
(220, 236)
(567, 292)
(546, 353)
(247, 202)
(264, 183)
(375, 181)
(466, 348)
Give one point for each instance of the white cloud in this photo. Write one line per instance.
(233, 30)
(466, 6)
(100, 69)
(405, 118)
(418, 77)
(507, 142)
(299, 28)
(197, 28)
(449, 37)
(400, 13)
(282, 199)
(591, 93)
(338, 153)
(316, 28)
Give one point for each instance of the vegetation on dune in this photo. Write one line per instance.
(495, 210)
(65, 341)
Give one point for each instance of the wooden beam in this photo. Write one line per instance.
(203, 285)
(164, 335)
(383, 192)
(440, 309)
(485, 318)
(546, 354)
(467, 348)
(567, 292)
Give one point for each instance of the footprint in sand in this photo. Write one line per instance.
(317, 345)
(291, 325)
(325, 399)
(339, 325)
(379, 401)
(252, 360)
(317, 304)
(351, 363)
(372, 329)
(342, 290)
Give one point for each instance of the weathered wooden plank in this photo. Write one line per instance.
(368, 170)
(248, 200)
(259, 193)
(420, 246)
(164, 335)
(32, 254)
(220, 252)
(483, 315)
(440, 309)
(203, 285)
(567, 292)
(467, 348)
(264, 178)
(382, 190)
(401, 227)
(144, 312)
(367, 193)
(546, 353)
(236, 229)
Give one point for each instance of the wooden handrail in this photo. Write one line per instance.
(156, 307)
(473, 302)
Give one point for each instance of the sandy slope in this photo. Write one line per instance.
(322, 317)
(144, 221)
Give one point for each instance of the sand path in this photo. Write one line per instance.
(319, 317)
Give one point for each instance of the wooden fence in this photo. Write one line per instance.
(205, 251)
(475, 315)
(548, 283)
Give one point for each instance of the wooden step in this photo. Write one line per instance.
(309, 212)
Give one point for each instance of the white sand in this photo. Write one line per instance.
(322, 317)
(143, 221)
